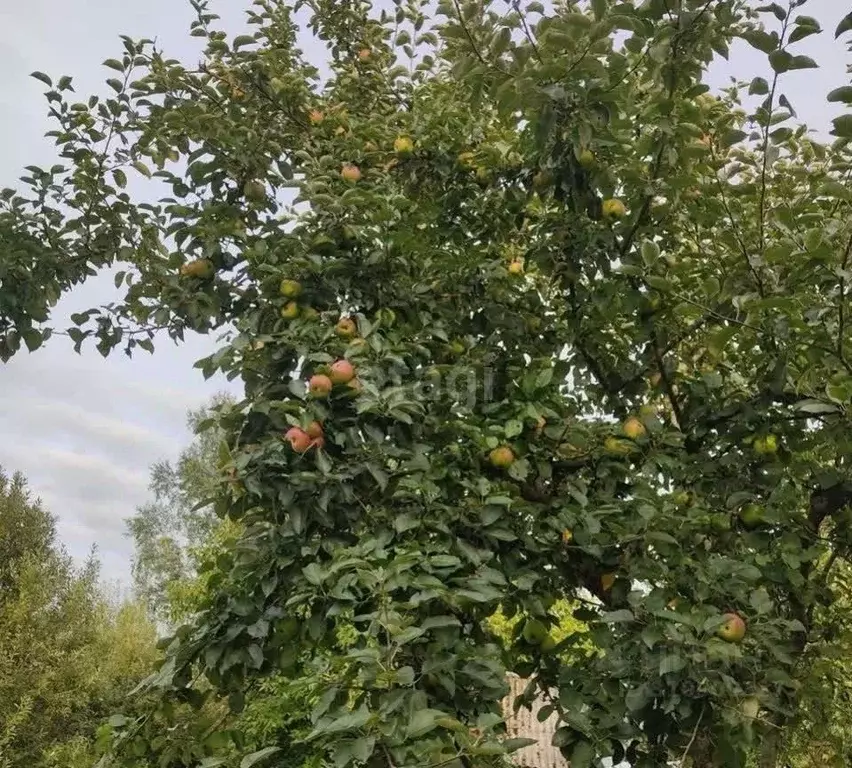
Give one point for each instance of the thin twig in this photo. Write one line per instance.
(517, 6)
(482, 59)
(694, 734)
(841, 318)
(769, 111)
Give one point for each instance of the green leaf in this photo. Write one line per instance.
(617, 617)
(842, 94)
(582, 755)
(363, 747)
(774, 8)
(729, 138)
(513, 745)
(637, 698)
(444, 561)
(256, 655)
(513, 428)
(801, 32)
(423, 721)
(843, 126)
(660, 283)
(844, 26)
(255, 757)
(758, 87)
(650, 252)
(763, 41)
(43, 77)
(671, 663)
(599, 8)
(241, 40)
(314, 574)
(816, 406)
(118, 721)
(781, 61)
(142, 168)
(349, 722)
(114, 64)
(803, 62)
(120, 178)
(835, 189)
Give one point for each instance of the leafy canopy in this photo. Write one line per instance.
(594, 324)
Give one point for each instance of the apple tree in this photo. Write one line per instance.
(524, 314)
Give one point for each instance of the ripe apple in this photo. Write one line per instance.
(320, 385)
(750, 707)
(586, 159)
(314, 430)
(299, 440)
(542, 180)
(290, 310)
(200, 268)
(682, 498)
(350, 172)
(316, 116)
(733, 629)
(342, 372)
(346, 328)
(647, 411)
(752, 515)
(364, 54)
(502, 457)
(765, 445)
(613, 209)
(403, 145)
(516, 267)
(534, 632)
(318, 442)
(616, 447)
(254, 191)
(290, 288)
(634, 428)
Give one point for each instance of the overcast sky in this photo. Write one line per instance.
(85, 430)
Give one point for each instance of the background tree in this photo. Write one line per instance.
(175, 530)
(548, 323)
(68, 657)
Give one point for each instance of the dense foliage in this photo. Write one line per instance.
(545, 321)
(68, 657)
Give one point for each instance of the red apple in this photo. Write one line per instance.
(299, 440)
(314, 430)
(350, 172)
(502, 457)
(318, 442)
(733, 629)
(342, 372)
(320, 385)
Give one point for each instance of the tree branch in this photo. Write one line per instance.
(841, 318)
